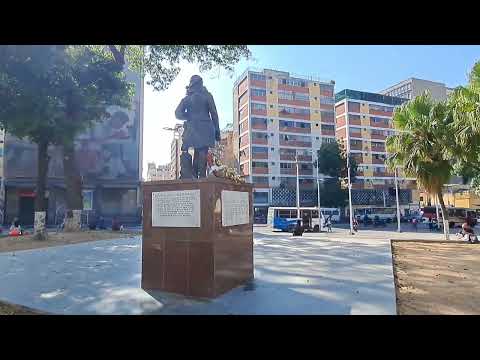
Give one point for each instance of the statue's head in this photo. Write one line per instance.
(196, 80)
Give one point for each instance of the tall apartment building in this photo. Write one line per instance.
(363, 121)
(412, 87)
(278, 116)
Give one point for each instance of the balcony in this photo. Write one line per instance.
(378, 136)
(381, 113)
(359, 173)
(380, 124)
(257, 156)
(259, 112)
(258, 126)
(258, 98)
(297, 89)
(295, 143)
(287, 157)
(328, 132)
(355, 146)
(260, 141)
(258, 83)
(288, 171)
(354, 121)
(355, 134)
(288, 115)
(326, 106)
(378, 148)
(259, 170)
(305, 171)
(378, 161)
(294, 102)
(295, 130)
(304, 158)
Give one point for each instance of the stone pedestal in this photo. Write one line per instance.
(198, 238)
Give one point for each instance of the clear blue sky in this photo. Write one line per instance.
(360, 67)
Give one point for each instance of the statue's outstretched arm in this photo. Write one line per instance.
(180, 112)
(214, 115)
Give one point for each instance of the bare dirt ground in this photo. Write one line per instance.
(9, 243)
(436, 278)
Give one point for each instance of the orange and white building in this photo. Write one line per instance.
(278, 117)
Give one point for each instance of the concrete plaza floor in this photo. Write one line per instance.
(314, 274)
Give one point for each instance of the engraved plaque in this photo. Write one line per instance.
(176, 208)
(235, 208)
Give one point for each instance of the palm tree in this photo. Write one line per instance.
(420, 145)
(465, 106)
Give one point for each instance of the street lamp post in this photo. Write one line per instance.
(298, 188)
(349, 193)
(398, 202)
(320, 223)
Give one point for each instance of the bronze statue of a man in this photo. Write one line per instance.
(200, 129)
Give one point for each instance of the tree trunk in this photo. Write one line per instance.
(39, 232)
(73, 184)
(444, 215)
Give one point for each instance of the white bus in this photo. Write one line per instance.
(284, 218)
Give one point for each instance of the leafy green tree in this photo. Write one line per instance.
(27, 109)
(52, 94)
(422, 145)
(332, 162)
(162, 62)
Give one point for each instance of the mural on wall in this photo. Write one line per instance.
(108, 151)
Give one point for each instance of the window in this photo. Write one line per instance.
(304, 152)
(302, 97)
(328, 127)
(356, 142)
(290, 110)
(259, 150)
(260, 179)
(285, 95)
(271, 106)
(258, 164)
(258, 135)
(293, 82)
(286, 165)
(258, 92)
(377, 145)
(353, 106)
(328, 140)
(288, 152)
(325, 88)
(327, 100)
(328, 116)
(258, 77)
(272, 149)
(377, 120)
(273, 163)
(258, 106)
(354, 117)
(381, 108)
(260, 197)
(378, 132)
(286, 137)
(259, 121)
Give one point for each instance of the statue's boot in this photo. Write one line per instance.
(186, 171)
(200, 163)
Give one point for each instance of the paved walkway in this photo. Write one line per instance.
(314, 274)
